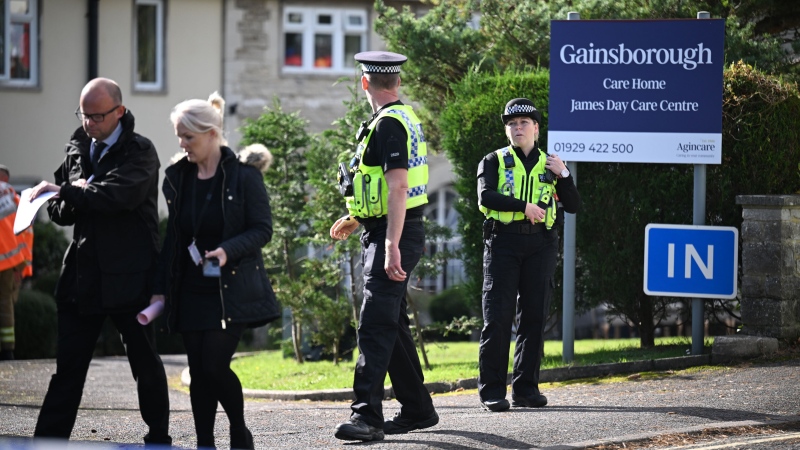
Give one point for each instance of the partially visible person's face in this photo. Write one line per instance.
(98, 102)
(3, 176)
(522, 131)
(197, 146)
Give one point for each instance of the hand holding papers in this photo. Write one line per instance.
(27, 209)
(33, 198)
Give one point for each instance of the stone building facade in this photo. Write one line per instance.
(297, 51)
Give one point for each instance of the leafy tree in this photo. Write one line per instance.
(434, 258)
(326, 203)
(334, 307)
(285, 135)
(331, 310)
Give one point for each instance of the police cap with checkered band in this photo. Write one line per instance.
(380, 62)
(520, 107)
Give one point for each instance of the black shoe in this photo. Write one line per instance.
(358, 430)
(532, 401)
(495, 405)
(400, 424)
(7, 355)
(152, 439)
(242, 439)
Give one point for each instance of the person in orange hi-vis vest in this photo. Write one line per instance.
(12, 265)
(26, 237)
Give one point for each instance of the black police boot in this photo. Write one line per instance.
(402, 424)
(536, 400)
(358, 430)
(495, 405)
(241, 438)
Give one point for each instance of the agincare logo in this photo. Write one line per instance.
(689, 58)
(689, 147)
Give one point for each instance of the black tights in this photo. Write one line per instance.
(209, 354)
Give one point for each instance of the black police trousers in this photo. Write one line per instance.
(518, 274)
(384, 338)
(77, 337)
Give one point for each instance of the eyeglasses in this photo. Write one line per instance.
(96, 118)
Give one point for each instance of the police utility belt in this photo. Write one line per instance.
(519, 227)
(372, 223)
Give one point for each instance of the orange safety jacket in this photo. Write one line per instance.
(11, 248)
(26, 237)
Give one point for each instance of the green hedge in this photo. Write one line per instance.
(760, 142)
(449, 304)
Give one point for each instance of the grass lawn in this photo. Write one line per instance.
(450, 362)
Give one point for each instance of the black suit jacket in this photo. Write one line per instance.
(109, 264)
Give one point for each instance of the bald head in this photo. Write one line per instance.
(103, 87)
(101, 106)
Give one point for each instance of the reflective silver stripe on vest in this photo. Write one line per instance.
(418, 190)
(12, 252)
(415, 133)
(418, 161)
(509, 173)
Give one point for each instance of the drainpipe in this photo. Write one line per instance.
(93, 39)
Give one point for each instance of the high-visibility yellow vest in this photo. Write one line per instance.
(514, 181)
(370, 191)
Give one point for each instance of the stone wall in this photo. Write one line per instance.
(770, 296)
(253, 59)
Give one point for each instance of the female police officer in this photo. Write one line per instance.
(520, 189)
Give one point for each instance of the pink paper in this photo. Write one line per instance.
(151, 312)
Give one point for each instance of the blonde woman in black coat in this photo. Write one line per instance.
(211, 271)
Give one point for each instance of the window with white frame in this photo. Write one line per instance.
(149, 45)
(441, 210)
(19, 43)
(322, 40)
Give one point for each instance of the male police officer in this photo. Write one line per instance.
(520, 188)
(385, 188)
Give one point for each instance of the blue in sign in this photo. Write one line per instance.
(691, 261)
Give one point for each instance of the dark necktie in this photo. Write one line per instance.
(98, 150)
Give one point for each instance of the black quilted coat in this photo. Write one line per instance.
(247, 295)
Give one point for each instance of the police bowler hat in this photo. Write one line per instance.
(520, 107)
(380, 62)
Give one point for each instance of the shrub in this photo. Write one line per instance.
(35, 325)
(448, 305)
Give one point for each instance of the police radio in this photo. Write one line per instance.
(345, 178)
(363, 130)
(547, 177)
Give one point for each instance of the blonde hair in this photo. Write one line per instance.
(201, 116)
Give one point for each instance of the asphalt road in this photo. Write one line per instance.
(579, 415)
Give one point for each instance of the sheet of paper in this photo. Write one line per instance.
(26, 211)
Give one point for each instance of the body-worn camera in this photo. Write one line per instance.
(345, 178)
(508, 160)
(547, 177)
